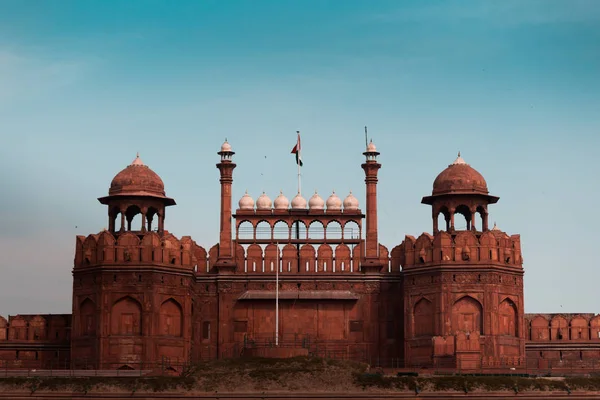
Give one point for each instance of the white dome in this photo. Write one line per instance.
(334, 202)
(316, 202)
(263, 202)
(371, 147)
(246, 202)
(226, 146)
(350, 202)
(281, 202)
(298, 202)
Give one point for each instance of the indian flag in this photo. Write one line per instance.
(297, 151)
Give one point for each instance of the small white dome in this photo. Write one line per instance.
(371, 147)
(334, 202)
(495, 228)
(316, 202)
(226, 146)
(350, 202)
(246, 202)
(263, 202)
(298, 202)
(281, 202)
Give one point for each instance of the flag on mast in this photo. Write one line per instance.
(297, 151)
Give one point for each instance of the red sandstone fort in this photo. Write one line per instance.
(451, 299)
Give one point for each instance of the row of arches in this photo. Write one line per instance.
(466, 316)
(563, 328)
(126, 318)
(134, 218)
(445, 218)
(282, 230)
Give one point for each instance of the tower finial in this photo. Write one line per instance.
(459, 153)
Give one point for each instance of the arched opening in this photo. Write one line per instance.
(423, 318)
(125, 317)
(245, 231)
(461, 224)
(351, 230)
(125, 368)
(114, 220)
(87, 313)
(134, 218)
(263, 231)
(150, 217)
(281, 231)
(443, 219)
(483, 218)
(508, 318)
(171, 318)
(334, 230)
(299, 230)
(316, 230)
(467, 316)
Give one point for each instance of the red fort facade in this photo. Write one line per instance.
(451, 299)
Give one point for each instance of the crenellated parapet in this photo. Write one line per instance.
(303, 259)
(139, 248)
(458, 248)
(563, 327)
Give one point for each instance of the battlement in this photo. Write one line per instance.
(51, 327)
(304, 259)
(458, 248)
(563, 327)
(139, 248)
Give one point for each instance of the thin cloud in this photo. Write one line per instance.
(24, 76)
(507, 12)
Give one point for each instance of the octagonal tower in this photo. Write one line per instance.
(131, 284)
(463, 286)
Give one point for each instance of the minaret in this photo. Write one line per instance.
(371, 253)
(225, 261)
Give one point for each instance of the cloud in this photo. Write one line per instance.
(506, 12)
(23, 76)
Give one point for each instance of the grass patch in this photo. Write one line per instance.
(300, 374)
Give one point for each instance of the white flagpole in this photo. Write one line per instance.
(277, 300)
(299, 158)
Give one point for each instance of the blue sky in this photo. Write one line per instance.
(513, 85)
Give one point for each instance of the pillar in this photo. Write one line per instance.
(371, 263)
(226, 167)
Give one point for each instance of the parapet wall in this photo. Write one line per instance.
(563, 327)
(460, 247)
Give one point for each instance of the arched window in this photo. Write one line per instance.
(126, 317)
(467, 316)
(171, 318)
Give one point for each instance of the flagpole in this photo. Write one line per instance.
(299, 158)
(277, 300)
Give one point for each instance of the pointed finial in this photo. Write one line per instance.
(137, 155)
(459, 153)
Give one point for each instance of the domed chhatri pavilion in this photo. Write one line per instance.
(300, 276)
